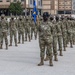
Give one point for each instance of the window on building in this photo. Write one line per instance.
(7, 0)
(40, 2)
(22, 0)
(1, 0)
(31, 2)
(15, 0)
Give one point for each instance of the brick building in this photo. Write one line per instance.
(50, 6)
(57, 6)
(27, 6)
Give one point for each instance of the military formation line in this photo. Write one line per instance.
(55, 33)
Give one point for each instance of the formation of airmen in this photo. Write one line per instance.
(54, 34)
(24, 27)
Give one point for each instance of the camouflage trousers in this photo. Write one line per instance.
(60, 43)
(4, 36)
(0, 38)
(69, 39)
(43, 44)
(73, 38)
(64, 36)
(35, 33)
(55, 45)
(27, 34)
(21, 33)
(13, 33)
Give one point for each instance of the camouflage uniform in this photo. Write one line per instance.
(4, 26)
(33, 29)
(51, 26)
(13, 31)
(0, 35)
(20, 30)
(27, 29)
(73, 32)
(59, 35)
(54, 31)
(70, 33)
(64, 34)
(45, 39)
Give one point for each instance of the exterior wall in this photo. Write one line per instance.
(65, 4)
(53, 6)
(50, 6)
(26, 4)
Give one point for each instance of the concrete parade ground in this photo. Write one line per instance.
(23, 60)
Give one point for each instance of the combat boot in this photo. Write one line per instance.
(73, 42)
(41, 62)
(19, 42)
(47, 58)
(1, 47)
(61, 53)
(55, 58)
(35, 37)
(29, 39)
(23, 42)
(6, 46)
(16, 44)
(25, 39)
(64, 49)
(71, 46)
(50, 62)
(10, 45)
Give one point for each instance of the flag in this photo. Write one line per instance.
(35, 11)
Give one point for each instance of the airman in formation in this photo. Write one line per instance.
(54, 33)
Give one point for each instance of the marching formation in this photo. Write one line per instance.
(24, 27)
(55, 33)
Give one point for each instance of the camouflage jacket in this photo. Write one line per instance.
(27, 25)
(13, 25)
(58, 27)
(45, 31)
(20, 25)
(4, 25)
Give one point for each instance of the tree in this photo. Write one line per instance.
(12, 8)
(16, 8)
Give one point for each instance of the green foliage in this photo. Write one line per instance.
(15, 8)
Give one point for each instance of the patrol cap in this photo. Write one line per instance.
(57, 18)
(45, 14)
(62, 18)
(2, 16)
(12, 16)
(27, 17)
(20, 17)
(51, 17)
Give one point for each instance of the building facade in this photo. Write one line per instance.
(50, 6)
(58, 6)
(65, 6)
(27, 6)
